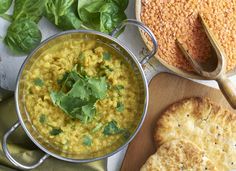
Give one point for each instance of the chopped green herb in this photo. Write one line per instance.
(87, 140)
(111, 128)
(64, 77)
(42, 118)
(56, 97)
(97, 127)
(126, 134)
(98, 86)
(55, 131)
(119, 87)
(120, 107)
(106, 56)
(79, 94)
(38, 82)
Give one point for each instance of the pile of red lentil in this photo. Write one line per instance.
(172, 19)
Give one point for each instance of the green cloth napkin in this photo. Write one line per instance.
(24, 150)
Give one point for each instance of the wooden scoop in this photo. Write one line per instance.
(215, 67)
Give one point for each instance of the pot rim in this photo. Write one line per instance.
(146, 96)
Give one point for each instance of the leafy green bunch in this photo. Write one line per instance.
(78, 94)
(23, 34)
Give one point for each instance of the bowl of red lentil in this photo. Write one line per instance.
(172, 19)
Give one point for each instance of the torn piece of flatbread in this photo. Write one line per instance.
(208, 125)
(178, 155)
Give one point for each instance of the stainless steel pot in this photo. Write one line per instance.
(23, 117)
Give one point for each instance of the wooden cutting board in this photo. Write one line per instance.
(164, 89)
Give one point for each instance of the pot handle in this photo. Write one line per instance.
(115, 32)
(9, 156)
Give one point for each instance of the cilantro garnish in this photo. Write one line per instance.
(42, 118)
(97, 127)
(111, 128)
(79, 94)
(106, 56)
(119, 87)
(38, 82)
(55, 131)
(87, 140)
(120, 107)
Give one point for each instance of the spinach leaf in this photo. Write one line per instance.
(58, 8)
(6, 17)
(28, 9)
(111, 128)
(68, 21)
(42, 118)
(23, 36)
(87, 140)
(55, 131)
(120, 107)
(122, 4)
(5, 5)
(88, 11)
(101, 15)
(111, 16)
(38, 82)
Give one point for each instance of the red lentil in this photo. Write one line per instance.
(171, 19)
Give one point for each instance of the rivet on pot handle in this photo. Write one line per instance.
(9, 156)
(144, 28)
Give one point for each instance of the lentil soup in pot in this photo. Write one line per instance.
(82, 97)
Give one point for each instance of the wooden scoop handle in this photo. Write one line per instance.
(228, 89)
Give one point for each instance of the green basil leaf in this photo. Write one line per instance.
(5, 5)
(55, 131)
(23, 36)
(28, 9)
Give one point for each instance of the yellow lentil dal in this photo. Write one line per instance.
(43, 77)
